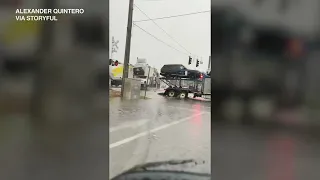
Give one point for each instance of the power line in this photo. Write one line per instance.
(163, 30)
(180, 15)
(158, 39)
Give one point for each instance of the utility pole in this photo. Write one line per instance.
(127, 50)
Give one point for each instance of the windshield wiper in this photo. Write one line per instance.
(144, 167)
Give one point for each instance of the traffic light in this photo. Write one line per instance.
(197, 63)
(190, 60)
(116, 63)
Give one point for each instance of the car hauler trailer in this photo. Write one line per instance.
(205, 88)
(181, 87)
(148, 75)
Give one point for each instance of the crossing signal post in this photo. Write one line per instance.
(190, 60)
(116, 63)
(197, 63)
(113, 63)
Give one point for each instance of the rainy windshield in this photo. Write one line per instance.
(152, 127)
(256, 115)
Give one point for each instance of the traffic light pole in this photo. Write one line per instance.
(127, 50)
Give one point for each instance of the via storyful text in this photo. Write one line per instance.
(44, 14)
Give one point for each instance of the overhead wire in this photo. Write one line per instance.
(163, 30)
(174, 16)
(158, 39)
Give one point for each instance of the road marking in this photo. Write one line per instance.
(134, 124)
(126, 140)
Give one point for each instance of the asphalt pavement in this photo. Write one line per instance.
(158, 129)
(161, 128)
(261, 153)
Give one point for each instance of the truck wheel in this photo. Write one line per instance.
(182, 95)
(171, 93)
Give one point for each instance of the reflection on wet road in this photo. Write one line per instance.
(252, 152)
(158, 129)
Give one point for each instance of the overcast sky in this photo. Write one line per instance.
(192, 32)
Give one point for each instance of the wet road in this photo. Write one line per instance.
(158, 129)
(273, 153)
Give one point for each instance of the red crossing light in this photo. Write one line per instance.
(116, 63)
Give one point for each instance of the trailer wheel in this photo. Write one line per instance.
(183, 95)
(171, 93)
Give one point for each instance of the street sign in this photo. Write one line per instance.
(114, 45)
